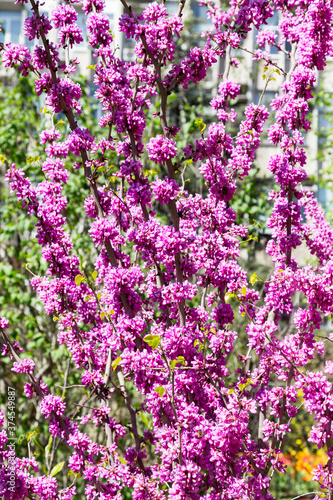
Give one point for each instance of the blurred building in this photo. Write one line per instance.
(12, 22)
(249, 74)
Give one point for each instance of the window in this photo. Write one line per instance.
(11, 24)
(200, 17)
(82, 24)
(111, 19)
(172, 6)
(274, 20)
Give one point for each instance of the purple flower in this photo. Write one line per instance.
(71, 34)
(160, 149)
(63, 15)
(165, 190)
(4, 322)
(105, 230)
(34, 24)
(98, 27)
(24, 366)
(79, 140)
(52, 404)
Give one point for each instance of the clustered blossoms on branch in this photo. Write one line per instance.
(138, 322)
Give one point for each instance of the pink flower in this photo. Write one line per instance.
(165, 190)
(160, 149)
(52, 404)
(4, 322)
(24, 366)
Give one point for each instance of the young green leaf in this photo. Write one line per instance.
(253, 279)
(228, 296)
(152, 340)
(144, 419)
(78, 279)
(160, 390)
(115, 363)
(56, 469)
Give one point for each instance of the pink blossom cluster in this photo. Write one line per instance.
(160, 312)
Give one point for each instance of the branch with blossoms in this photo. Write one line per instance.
(154, 328)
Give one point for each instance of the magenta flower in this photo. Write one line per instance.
(160, 149)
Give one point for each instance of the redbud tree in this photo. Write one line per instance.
(154, 319)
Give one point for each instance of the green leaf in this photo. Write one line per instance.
(197, 342)
(254, 278)
(48, 446)
(59, 352)
(180, 360)
(94, 275)
(56, 469)
(122, 460)
(37, 443)
(160, 390)
(149, 172)
(32, 159)
(243, 290)
(45, 110)
(115, 363)
(78, 279)
(247, 383)
(32, 434)
(3, 158)
(228, 296)
(144, 419)
(199, 122)
(75, 474)
(152, 340)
